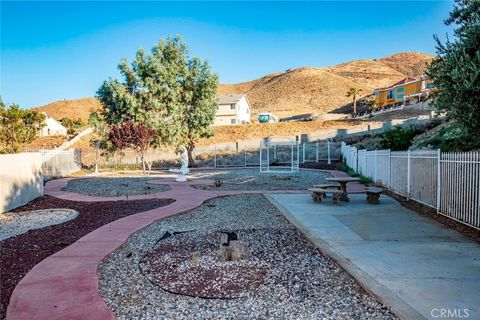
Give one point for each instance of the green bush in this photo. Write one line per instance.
(398, 139)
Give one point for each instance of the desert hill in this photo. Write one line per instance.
(322, 90)
(370, 73)
(411, 64)
(73, 109)
(296, 91)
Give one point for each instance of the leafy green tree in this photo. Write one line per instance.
(354, 93)
(72, 124)
(199, 105)
(18, 126)
(166, 91)
(456, 71)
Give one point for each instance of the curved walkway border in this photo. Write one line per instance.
(66, 285)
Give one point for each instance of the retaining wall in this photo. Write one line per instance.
(20, 179)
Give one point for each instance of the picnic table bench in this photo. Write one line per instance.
(373, 194)
(343, 185)
(327, 186)
(318, 193)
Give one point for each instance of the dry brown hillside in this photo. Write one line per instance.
(411, 64)
(371, 73)
(321, 90)
(73, 109)
(297, 91)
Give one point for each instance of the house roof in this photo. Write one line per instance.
(403, 81)
(229, 98)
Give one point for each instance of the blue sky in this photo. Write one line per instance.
(64, 50)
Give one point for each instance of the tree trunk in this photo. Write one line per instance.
(143, 165)
(354, 106)
(191, 161)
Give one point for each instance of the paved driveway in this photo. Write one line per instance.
(414, 264)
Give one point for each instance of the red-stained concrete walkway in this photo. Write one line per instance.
(65, 285)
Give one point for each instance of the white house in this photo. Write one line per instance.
(232, 109)
(52, 128)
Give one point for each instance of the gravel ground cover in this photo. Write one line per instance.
(114, 186)
(298, 282)
(252, 179)
(12, 224)
(21, 253)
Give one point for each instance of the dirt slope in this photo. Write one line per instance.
(411, 64)
(297, 91)
(73, 109)
(321, 90)
(371, 73)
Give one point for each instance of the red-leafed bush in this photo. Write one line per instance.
(138, 137)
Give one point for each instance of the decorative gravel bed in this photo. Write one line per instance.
(293, 279)
(252, 179)
(21, 253)
(113, 187)
(12, 224)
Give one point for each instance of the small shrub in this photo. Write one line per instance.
(398, 139)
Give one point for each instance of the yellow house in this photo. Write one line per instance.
(406, 91)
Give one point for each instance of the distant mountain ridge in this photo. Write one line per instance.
(302, 90)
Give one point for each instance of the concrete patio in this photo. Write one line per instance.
(412, 263)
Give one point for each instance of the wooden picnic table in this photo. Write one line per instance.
(343, 185)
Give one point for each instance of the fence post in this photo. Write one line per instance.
(316, 151)
(298, 158)
(303, 153)
(328, 152)
(268, 157)
(438, 180)
(389, 169)
(245, 153)
(408, 174)
(292, 158)
(260, 157)
(215, 157)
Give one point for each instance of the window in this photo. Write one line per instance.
(233, 121)
(233, 106)
(377, 93)
(400, 96)
(401, 89)
(390, 94)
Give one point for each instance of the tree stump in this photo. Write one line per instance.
(239, 250)
(232, 249)
(196, 257)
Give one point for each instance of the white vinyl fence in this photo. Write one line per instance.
(448, 182)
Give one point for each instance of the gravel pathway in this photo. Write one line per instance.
(15, 223)
(113, 187)
(297, 281)
(252, 179)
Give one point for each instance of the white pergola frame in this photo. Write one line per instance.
(265, 156)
